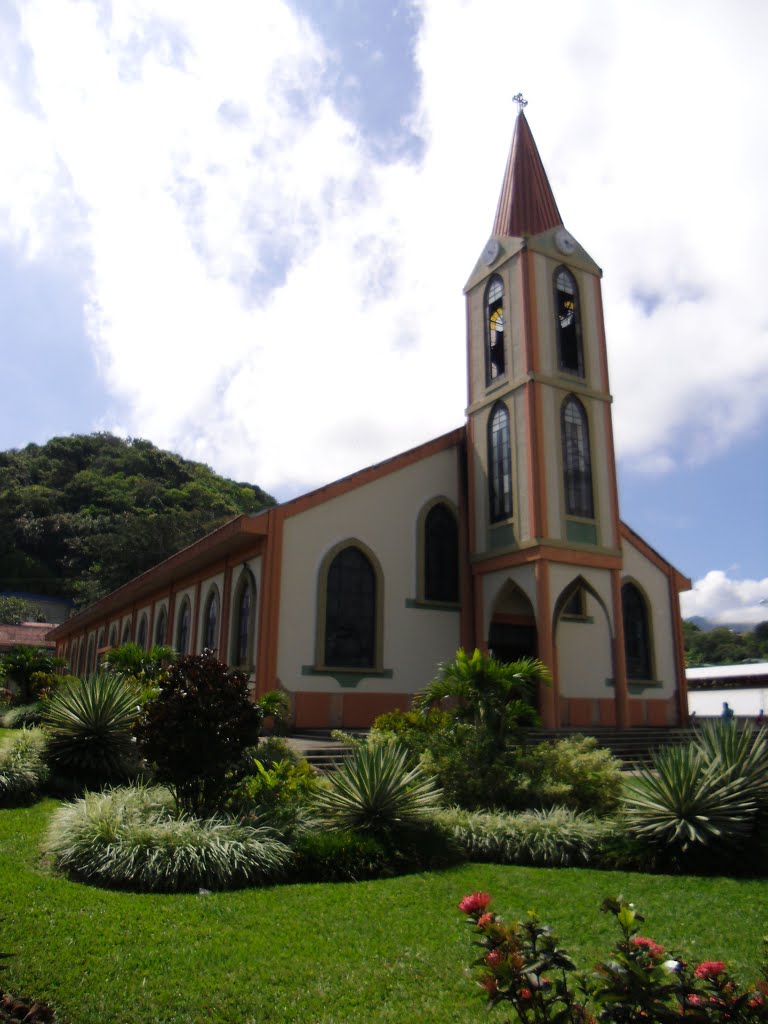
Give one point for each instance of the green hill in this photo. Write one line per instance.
(81, 515)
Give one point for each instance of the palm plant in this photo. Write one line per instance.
(276, 704)
(20, 664)
(377, 789)
(495, 696)
(145, 666)
(684, 801)
(90, 726)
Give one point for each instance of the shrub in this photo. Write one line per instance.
(377, 789)
(474, 772)
(522, 964)
(553, 838)
(89, 725)
(23, 715)
(22, 767)
(195, 731)
(412, 729)
(131, 838)
(339, 856)
(575, 773)
(275, 707)
(271, 750)
(278, 793)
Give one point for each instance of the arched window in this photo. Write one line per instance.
(126, 632)
(350, 611)
(494, 329)
(81, 657)
(73, 656)
(100, 639)
(141, 639)
(182, 630)
(499, 464)
(441, 554)
(113, 636)
(90, 658)
(161, 626)
(577, 464)
(244, 620)
(637, 639)
(568, 323)
(211, 620)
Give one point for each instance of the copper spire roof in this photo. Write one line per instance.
(526, 204)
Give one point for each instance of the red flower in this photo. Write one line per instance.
(694, 999)
(526, 994)
(709, 969)
(476, 901)
(484, 920)
(653, 948)
(494, 958)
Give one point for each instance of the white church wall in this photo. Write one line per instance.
(382, 515)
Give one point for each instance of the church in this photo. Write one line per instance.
(504, 534)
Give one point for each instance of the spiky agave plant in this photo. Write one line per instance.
(377, 789)
(90, 727)
(683, 801)
(740, 753)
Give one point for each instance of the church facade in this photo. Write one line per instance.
(504, 534)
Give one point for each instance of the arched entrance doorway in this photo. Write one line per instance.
(512, 632)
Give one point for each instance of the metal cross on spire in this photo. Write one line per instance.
(521, 103)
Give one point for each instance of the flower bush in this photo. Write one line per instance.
(522, 964)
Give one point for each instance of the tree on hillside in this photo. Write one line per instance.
(15, 610)
(82, 515)
(722, 646)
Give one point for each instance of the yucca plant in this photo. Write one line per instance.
(132, 838)
(22, 766)
(90, 727)
(684, 801)
(739, 752)
(379, 790)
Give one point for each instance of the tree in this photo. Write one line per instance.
(495, 696)
(196, 729)
(20, 664)
(15, 610)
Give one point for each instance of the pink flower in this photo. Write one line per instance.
(694, 999)
(484, 920)
(476, 901)
(651, 947)
(494, 958)
(709, 969)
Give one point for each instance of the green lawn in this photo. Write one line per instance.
(389, 951)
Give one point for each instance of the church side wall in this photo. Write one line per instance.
(382, 516)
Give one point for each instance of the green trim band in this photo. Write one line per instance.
(436, 606)
(347, 677)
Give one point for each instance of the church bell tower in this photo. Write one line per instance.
(543, 501)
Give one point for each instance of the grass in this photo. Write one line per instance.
(388, 952)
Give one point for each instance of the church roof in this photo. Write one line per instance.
(526, 204)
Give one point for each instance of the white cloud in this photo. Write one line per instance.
(726, 601)
(267, 296)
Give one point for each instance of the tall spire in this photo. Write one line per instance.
(526, 204)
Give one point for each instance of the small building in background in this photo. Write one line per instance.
(744, 687)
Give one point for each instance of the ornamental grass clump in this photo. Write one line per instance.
(523, 965)
(379, 790)
(558, 837)
(23, 768)
(132, 838)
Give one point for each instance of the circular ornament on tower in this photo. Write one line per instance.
(490, 252)
(565, 242)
